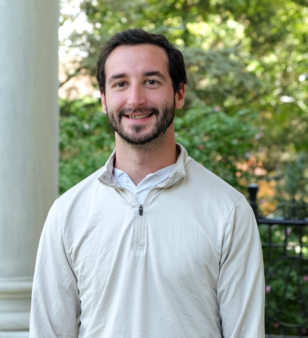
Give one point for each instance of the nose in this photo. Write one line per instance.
(136, 96)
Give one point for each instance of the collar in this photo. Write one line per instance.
(107, 178)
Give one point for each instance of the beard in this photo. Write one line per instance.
(164, 118)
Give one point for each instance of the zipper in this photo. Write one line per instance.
(140, 230)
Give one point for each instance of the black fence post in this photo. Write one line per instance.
(253, 191)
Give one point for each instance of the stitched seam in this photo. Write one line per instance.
(225, 228)
(64, 240)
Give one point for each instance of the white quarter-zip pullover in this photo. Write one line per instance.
(188, 265)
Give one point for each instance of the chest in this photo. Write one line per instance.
(179, 244)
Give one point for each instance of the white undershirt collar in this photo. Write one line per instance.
(149, 182)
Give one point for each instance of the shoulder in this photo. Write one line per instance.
(209, 186)
(80, 195)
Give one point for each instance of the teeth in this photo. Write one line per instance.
(138, 116)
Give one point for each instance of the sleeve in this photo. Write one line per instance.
(240, 290)
(55, 305)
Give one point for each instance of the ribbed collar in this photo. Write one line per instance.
(107, 178)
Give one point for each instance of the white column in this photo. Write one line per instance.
(28, 147)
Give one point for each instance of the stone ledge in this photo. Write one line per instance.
(15, 286)
(15, 302)
(15, 334)
(14, 321)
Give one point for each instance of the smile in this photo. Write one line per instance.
(138, 116)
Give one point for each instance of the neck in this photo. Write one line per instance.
(138, 161)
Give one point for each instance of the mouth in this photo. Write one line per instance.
(137, 117)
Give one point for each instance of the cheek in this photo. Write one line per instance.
(159, 98)
(115, 102)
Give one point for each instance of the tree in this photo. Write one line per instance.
(240, 55)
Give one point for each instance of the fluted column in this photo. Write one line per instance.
(28, 147)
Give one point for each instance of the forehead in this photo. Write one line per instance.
(137, 59)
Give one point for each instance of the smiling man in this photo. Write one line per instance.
(152, 244)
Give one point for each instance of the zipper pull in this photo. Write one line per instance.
(140, 210)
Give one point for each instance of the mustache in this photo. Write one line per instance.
(145, 110)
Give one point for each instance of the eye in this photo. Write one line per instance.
(151, 82)
(120, 84)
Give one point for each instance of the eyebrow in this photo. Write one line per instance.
(152, 73)
(116, 76)
(156, 73)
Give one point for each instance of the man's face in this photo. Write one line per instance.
(139, 99)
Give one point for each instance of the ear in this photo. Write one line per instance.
(103, 98)
(179, 97)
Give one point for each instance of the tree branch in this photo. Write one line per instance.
(70, 76)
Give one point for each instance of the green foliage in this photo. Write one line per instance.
(239, 55)
(86, 140)
(293, 186)
(286, 276)
(216, 140)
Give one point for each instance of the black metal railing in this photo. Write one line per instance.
(285, 253)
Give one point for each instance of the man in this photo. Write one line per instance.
(152, 244)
